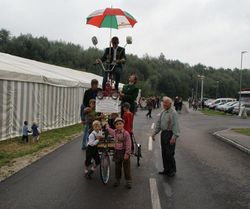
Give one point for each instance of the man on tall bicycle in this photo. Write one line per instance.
(115, 56)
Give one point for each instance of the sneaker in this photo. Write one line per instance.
(116, 184)
(128, 186)
(162, 173)
(172, 174)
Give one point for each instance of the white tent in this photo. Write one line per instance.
(35, 91)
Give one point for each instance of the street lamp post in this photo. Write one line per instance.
(241, 61)
(196, 89)
(202, 79)
(217, 88)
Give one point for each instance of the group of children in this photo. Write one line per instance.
(34, 130)
(121, 128)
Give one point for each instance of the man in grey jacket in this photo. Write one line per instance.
(170, 131)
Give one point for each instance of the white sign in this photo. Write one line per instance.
(108, 105)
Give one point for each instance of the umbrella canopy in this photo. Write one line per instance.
(111, 18)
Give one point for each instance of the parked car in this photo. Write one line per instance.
(222, 107)
(236, 109)
(208, 102)
(218, 106)
(219, 100)
(230, 109)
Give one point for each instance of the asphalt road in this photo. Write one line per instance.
(210, 174)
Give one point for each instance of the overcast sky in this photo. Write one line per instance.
(211, 32)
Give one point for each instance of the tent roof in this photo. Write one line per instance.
(21, 69)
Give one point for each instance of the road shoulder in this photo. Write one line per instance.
(237, 140)
(22, 162)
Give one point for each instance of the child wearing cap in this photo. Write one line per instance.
(122, 152)
(92, 151)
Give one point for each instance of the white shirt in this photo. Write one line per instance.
(115, 52)
(93, 141)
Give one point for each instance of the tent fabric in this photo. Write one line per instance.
(37, 92)
(21, 69)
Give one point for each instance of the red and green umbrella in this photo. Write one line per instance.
(111, 18)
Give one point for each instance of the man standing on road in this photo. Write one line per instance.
(169, 127)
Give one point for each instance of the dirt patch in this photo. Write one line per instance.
(18, 164)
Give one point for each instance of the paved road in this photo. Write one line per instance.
(210, 174)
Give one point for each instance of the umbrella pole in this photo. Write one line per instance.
(110, 36)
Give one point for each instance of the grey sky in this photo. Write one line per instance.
(211, 32)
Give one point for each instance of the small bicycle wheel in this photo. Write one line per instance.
(105, 167)
(137, 150)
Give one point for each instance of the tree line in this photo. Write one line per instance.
(156, 75)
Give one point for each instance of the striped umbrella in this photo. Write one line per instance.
(111, 18)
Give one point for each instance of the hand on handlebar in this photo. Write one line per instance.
(122, 61)
(98, 61)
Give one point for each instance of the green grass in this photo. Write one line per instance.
(14, 148)
(209, 112)
(244, 131)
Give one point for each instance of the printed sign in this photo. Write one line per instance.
(108, 105)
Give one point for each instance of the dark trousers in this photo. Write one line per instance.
(25, 138)
(116, 73)
(168, 151)
(149, 113)
(92, 153)
(119, 163)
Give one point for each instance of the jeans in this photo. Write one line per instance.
(85, 136)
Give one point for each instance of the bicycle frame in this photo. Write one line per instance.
(109, 86)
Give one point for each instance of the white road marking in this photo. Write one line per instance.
(150, 144)
(153, 125)
(154, 194)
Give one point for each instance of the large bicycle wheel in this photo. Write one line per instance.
(105, 167)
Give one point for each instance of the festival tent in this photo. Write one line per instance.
(37, 92)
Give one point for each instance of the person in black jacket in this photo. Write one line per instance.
(115, 56)
(89, 94)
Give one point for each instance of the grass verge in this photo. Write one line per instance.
(14, 148)
(244, 131)
(209, 112)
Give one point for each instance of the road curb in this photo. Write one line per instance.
(231, 142)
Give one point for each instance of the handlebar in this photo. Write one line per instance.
(108, 69)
